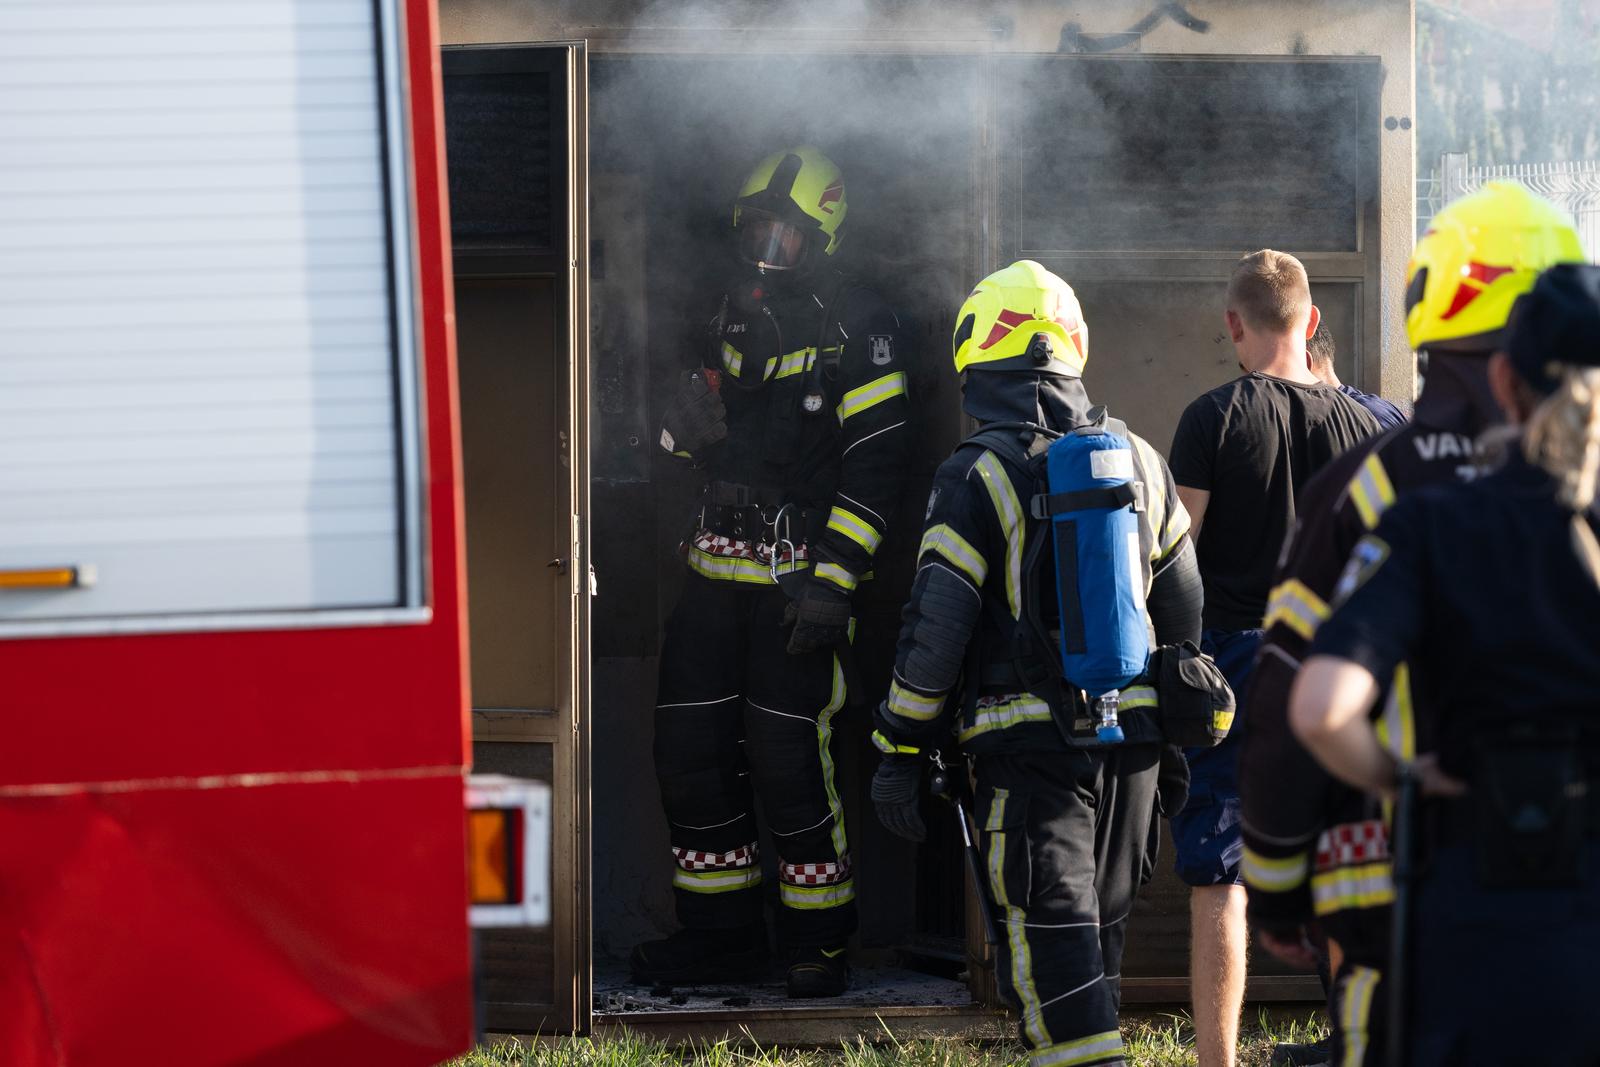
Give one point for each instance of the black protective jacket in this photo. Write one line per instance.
(817, 393)
(1300, 824)
(967, 594)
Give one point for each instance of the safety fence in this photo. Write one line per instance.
(1575, 186)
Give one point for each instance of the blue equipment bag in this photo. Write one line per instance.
(1092, 500)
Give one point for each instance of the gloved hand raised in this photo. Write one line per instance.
(820, 616)
(896, 794)
(695, 418)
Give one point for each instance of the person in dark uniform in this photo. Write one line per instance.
(1241, 454)
(1303, 883)
(1064, 821)
(1320, 350)
(798, 415)
(1490, 591)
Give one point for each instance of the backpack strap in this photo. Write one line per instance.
(1017, 442)
(833, 305)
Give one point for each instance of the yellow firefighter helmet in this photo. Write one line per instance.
(790, 208)
(1479, 254)
(1022, 318)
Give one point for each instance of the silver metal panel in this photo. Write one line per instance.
(208, 381)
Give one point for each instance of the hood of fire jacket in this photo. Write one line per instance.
(1008, 396)
(1455, 393)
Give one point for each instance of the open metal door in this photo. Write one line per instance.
(517, 158)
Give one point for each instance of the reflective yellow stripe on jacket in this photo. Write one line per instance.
(1167, 528)
(1297, 607)
(1371, 491)
(853, 526)
(909, 704)
(1008, 509)
(871, 395)
(943, 541)
(789, 365)
(1003, 716)
(1275, 874)
(832, 572)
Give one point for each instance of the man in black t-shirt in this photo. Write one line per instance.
(1239, 457)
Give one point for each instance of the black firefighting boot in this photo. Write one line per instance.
(703, 957)
(818, 972)
(1285, 1054)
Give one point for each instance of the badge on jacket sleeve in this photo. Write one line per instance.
(1365, 559)
(880, 347)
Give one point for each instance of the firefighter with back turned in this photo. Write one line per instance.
(1317, 853)
(1490, 591)
(1064, 812)
(798, 414)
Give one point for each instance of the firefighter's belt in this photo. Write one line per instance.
(734, 495)
(799, 525)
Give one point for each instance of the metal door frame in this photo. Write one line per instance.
(567, 731)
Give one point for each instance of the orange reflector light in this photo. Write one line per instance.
(494, 846)
(41, 578)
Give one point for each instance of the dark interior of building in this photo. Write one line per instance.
(1133, 178)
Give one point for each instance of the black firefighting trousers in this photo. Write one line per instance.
(1358, 1004)
(1065, 836)
(735, 709)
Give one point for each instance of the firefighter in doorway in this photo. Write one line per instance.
(1064, 819)
(798, 413)
(1316, 853)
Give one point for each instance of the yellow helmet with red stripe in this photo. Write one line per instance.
(792, 203)
(1479, 254)
(1022, 318)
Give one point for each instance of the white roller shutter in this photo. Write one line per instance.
(207, 369)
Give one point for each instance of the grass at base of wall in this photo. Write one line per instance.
(1156, 1041)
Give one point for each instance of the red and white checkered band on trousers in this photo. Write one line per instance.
(815, 873)
(736, 548)
(690, 860)
(1352, 843)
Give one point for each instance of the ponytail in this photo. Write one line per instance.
(1563, 437)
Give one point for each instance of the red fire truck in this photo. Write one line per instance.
(232, 629)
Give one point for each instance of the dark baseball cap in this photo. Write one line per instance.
(1556, 322)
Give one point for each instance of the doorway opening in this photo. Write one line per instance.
(672, 140)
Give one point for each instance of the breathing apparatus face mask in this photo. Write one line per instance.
(770, 244)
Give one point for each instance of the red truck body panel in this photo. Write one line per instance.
(247, 847)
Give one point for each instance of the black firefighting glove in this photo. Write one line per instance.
(896, 794)
(820, 616)
(1172, 781)
(695, 418)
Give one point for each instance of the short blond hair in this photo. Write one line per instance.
(1270, 291)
